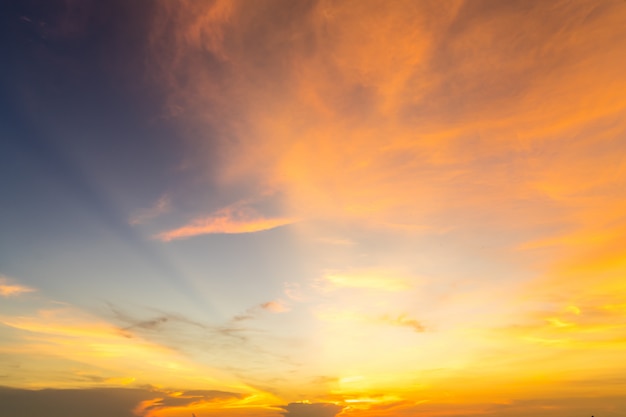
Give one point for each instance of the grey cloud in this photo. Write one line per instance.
(101, 402)
(311, 410)
(97, 402)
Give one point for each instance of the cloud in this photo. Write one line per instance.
(386, 114)
(274, 307)
(499, 121)
(53, 344)
(400, 320)
(152, 324)
(311, 410)
(227, 347)
(104, 402)
(184, 399)
(270, 306)
(597, 326)
(294, 291)
(225, 221)
(403, 320)
(161, 206)
(12, 290)
(496, 124)
(556, 406)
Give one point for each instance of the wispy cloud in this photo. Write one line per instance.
(270, 306)
(230, 346)
(388, 117)
(403, 320)
(275, 307)
(226, 221)
(155, 323)
(8, 289)
(162, 206)
(350, 315)
(63, 335)
(500, 123)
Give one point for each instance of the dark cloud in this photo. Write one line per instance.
(311, 410)
(101, 402)
(98, 402)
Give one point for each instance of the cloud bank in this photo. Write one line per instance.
(311, 410)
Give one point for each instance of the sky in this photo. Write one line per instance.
(313, 208)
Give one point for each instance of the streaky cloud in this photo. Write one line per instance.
(12, 290)
(225, 221)
(161, 206)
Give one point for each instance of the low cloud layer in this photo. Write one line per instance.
(101, 402)
(311, 410)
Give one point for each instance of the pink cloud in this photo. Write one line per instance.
(225, 221)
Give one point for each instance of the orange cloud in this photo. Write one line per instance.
(412, 115)
(228, 221)
(185, 401)
(12, 290)
(274, 307)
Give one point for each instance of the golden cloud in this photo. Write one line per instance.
(407, 113)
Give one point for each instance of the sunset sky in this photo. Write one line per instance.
(313, 208)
